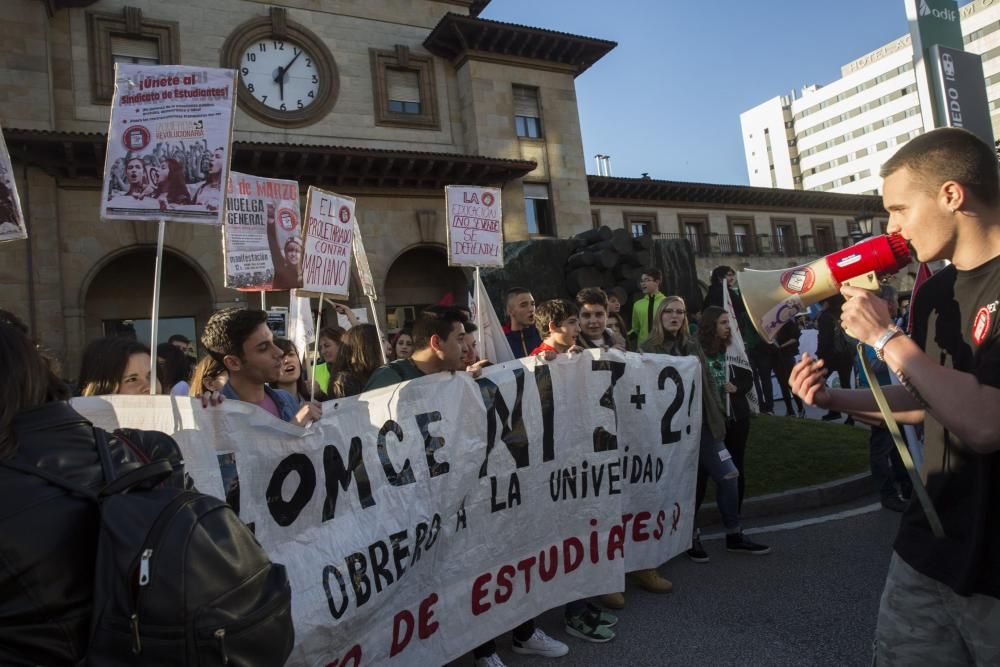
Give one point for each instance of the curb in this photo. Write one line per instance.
(836, 492)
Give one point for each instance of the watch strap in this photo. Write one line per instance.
(884, 339)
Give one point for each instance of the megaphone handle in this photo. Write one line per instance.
(904, 453)
(867, 281)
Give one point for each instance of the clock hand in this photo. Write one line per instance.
(289, 65)
(280, 80)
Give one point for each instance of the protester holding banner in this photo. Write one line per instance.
(438, 345)
(208, 375)
(732, 382)
(115, 366)
(670, 335)
(558, 321)
(594, 332)
(522, 335)
(240, 340)
(47, 535)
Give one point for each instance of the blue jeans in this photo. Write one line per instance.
(714, 460)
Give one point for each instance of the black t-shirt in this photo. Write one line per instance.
(955, 316)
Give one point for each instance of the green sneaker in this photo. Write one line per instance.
(586, 627)
(603, 617)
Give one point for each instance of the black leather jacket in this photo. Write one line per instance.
(48, 538)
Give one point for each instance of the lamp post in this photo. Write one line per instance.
(863, 223)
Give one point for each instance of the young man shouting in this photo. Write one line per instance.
(941, 603)
(241, 341)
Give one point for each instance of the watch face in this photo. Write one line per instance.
(280, 74)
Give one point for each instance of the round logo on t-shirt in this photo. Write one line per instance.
(981, 326)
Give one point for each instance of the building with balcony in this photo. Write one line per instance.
(413, 95)
(834, 138)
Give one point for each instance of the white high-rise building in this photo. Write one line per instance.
(836, 137)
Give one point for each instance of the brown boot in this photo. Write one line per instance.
(651, 581)
(612, 601)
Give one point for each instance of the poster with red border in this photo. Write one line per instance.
(262, 234)
(475, 225)
(328, 239)
(169, 143)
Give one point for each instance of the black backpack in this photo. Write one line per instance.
(179, 579)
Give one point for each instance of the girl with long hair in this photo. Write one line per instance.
(208, 375)
(359, 356)
(330, 339)
(670, 335)
(731, 382)
(115, 366)
(48, 536)
(402, 344)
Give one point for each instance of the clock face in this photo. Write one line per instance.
(280, 74)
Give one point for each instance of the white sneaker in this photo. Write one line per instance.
(540, 644)
(492, 660)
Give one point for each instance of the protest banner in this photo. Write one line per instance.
(367, 282)
(261, 236)
(169, 143)
(475, 226)
(420, 520)
(12, 225)
(329, 232)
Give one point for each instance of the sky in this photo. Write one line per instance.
(667, 100)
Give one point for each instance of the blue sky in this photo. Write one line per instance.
(668, 99)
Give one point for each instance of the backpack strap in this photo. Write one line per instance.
(146, 476)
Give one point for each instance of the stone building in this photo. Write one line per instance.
(408, 96)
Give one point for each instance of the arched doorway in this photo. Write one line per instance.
(421, 277)
(119, 298)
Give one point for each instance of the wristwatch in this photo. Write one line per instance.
(884, 339)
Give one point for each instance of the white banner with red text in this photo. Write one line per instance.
(421, 520)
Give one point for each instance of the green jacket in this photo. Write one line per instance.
(640, 316)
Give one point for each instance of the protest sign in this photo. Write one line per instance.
(364, 270)
(169, 142)
(495, 346)
(420, 520)
(11, 217)
(262, 237)
(475, 226)
(329, 232)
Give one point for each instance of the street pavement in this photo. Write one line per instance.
(812, 601)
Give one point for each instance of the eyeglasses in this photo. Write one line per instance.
(673, 311)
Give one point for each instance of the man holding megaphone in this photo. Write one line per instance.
(941, 603)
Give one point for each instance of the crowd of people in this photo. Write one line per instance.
(243, 361)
